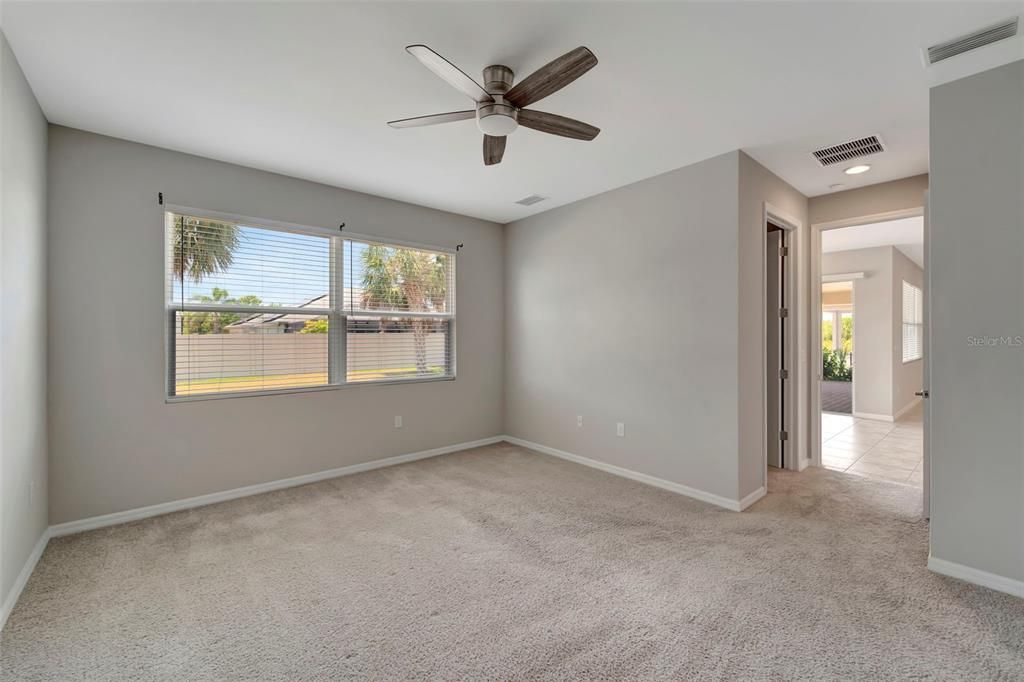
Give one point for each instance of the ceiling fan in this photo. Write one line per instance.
(500, 106)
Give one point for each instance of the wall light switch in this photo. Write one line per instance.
(398, 422)
(620, 430)
(579, 420)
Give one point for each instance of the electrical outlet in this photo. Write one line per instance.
(398, 422)
(620, 430)
(579, 420)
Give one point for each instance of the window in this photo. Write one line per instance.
(256, 308)
(913, 323)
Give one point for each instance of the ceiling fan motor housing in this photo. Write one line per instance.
(497, 118)
(498, 79)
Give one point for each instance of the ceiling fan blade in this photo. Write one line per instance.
(494, 149)
(449, 72)
(552, 77)
(432, 119)
(557, 125)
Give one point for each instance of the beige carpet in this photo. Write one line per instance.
(500, 563)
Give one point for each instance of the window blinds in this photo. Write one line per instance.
(256, 308)
(399, 304)
(913, 323)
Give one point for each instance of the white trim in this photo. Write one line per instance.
(876, 417)
(842, 277)
(725, 502)
(976, 576)
(26, 573)
(116, 518)
(198, 397)
(754, 497)
(906, 408)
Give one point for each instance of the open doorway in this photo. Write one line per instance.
(777, 347)
(837, 326)
(870, 328)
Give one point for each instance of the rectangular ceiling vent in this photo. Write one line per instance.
(847, 151)
(531, 200)
(972, 41)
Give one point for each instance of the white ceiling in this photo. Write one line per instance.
(305, 88)
(906, 234)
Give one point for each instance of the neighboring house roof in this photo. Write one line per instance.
(318, 310)
(318, 305)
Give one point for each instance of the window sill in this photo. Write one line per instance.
(908, 362)
(307, 389)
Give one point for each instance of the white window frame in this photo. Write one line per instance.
(917, 323)
(336, 314)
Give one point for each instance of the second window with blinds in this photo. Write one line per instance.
(913, 323)
(261, 308)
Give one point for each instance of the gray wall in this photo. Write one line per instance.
(906, 376)
(643, 305)
(757, 185)
(622, 308)
(116, 445)
(23, 333)
(884, 197)
(977, 276)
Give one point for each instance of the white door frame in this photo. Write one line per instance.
(793, 228)
(926, 367)
(814, 328)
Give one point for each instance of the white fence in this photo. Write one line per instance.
(203, 356)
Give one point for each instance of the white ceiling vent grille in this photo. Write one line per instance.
(972, 41)
(847, 151)
(531, 200)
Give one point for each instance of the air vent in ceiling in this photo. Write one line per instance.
(972, 41)
(847, 151)
(531, 200)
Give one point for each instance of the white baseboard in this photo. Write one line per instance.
(876, 417)
(732, 505)
(105, 520)
(753, 497)
(26, 573)
(976, 576)
(906, 408)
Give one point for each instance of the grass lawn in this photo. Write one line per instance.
(272, 382)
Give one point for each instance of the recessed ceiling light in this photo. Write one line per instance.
(857, 170)
(838, 185)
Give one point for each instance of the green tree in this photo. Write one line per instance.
(314, 327)
(404, 279)
(202, 247)
(846, 333)
(826, 335)
(215, 322)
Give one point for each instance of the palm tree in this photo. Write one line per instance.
(202, 247)
(410, 280)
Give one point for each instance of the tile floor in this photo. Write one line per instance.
(874, 449)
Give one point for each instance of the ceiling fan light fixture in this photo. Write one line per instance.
(497, 119)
